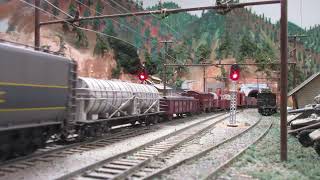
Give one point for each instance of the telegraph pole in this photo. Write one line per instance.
(283, 79)
(204, 79)
(36, 25)
(164, 74)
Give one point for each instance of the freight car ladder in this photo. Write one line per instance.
(71, 112)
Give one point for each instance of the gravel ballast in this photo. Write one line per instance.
(202, 167)
(60, 166)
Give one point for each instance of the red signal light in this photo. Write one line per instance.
(235, 72)
(143, 76)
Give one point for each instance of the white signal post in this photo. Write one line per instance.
(233, 104)
(234, 76)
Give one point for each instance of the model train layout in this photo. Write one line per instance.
(43, 97)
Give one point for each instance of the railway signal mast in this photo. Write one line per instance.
(234, 76)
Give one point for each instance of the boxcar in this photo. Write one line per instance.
(179, 105)
(206, 100)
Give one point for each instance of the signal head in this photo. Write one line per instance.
(143, 76)
(235, 72)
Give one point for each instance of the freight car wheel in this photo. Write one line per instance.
(304, 138)
(155, 120)
(317, 147)
(5, 152)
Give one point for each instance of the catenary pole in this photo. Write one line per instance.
(36, 25)
(283, 79)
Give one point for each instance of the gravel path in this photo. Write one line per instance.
(56, 168)
(203, 166)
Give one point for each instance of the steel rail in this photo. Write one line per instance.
(232, 159)
(51, 151)
(123, 173)
(198, 155)
(168, 11)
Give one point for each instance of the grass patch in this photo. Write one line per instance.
(262, 161)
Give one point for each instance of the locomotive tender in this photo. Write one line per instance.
(41, 96)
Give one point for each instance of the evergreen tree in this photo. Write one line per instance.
(203, 53)
(97, 22)
(86, 14)
(72, 9)
(81, 39)
(247, 48)
(55, 11)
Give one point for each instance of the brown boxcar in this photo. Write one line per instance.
(179, 105)
(241, 99)
(205, 100)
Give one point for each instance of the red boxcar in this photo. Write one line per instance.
(206, 100)
(225, 102)
(179, 105)
(241, 99)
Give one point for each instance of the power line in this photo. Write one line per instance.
(128, 27)
(166, 24)
(125, 9)
(85, 29)
(58, 9)
(81, 28)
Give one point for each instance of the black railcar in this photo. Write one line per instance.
(267, 103)
(35, 94)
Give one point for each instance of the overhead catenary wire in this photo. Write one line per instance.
(128, 27)
(85, 29)
(119, 5)
(125, 9)
(81, 28)
(58, 9)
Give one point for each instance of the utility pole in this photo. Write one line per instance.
(204, 79)
(294, 68)
(164, 74)
(36, 25)
(283, 79)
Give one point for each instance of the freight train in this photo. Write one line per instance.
(42, 97)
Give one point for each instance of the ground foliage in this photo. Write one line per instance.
(262, 161)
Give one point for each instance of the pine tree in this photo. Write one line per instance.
(55, 11)
(97, 22)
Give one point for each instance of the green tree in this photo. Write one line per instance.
(97, 22)
(150, 65)
(72, 9)
(81, 39)
(247, 48)
(203, 53)
(86, 14)
(55, 11)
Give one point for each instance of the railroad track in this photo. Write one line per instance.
(54, 151)
(209, 162)
(124, 164)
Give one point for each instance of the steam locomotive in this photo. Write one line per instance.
(41, 96)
